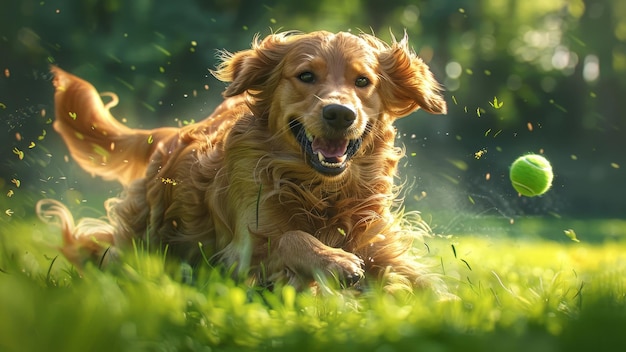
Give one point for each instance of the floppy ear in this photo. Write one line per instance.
(407, 83)
(252, 70)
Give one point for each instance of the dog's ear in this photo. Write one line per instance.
(252, 70)
(407, 83)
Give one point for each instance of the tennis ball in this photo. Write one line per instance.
(531, 175)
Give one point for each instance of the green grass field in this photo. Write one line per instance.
(514, 294)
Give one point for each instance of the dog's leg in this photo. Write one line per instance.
(300, 257)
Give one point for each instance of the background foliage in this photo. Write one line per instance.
(558, 67)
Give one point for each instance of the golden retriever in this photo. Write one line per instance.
(290, 180)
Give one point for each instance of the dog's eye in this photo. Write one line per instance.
(307, 77)
(362, 82)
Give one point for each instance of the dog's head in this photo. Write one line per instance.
(329, 91)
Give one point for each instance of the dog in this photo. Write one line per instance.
(290, 180)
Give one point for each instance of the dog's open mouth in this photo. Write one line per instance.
(326, 155)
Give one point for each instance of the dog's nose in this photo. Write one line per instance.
(338, 116)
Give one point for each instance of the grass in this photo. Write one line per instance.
(514, 294)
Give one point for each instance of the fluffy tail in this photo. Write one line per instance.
(89, 240)
(96, 140)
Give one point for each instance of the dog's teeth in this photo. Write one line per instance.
(309, 136)
(331, 165)
(339, 163)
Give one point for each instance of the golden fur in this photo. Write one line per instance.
(291, 179)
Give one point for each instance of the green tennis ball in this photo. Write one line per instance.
(531, 175)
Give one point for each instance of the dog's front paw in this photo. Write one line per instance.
(346, 267)
(305, 258)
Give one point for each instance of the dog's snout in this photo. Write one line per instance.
(338, 116)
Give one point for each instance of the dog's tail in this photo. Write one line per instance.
(88, 240)
(96, 140)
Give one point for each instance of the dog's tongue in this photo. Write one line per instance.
(330, 148)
